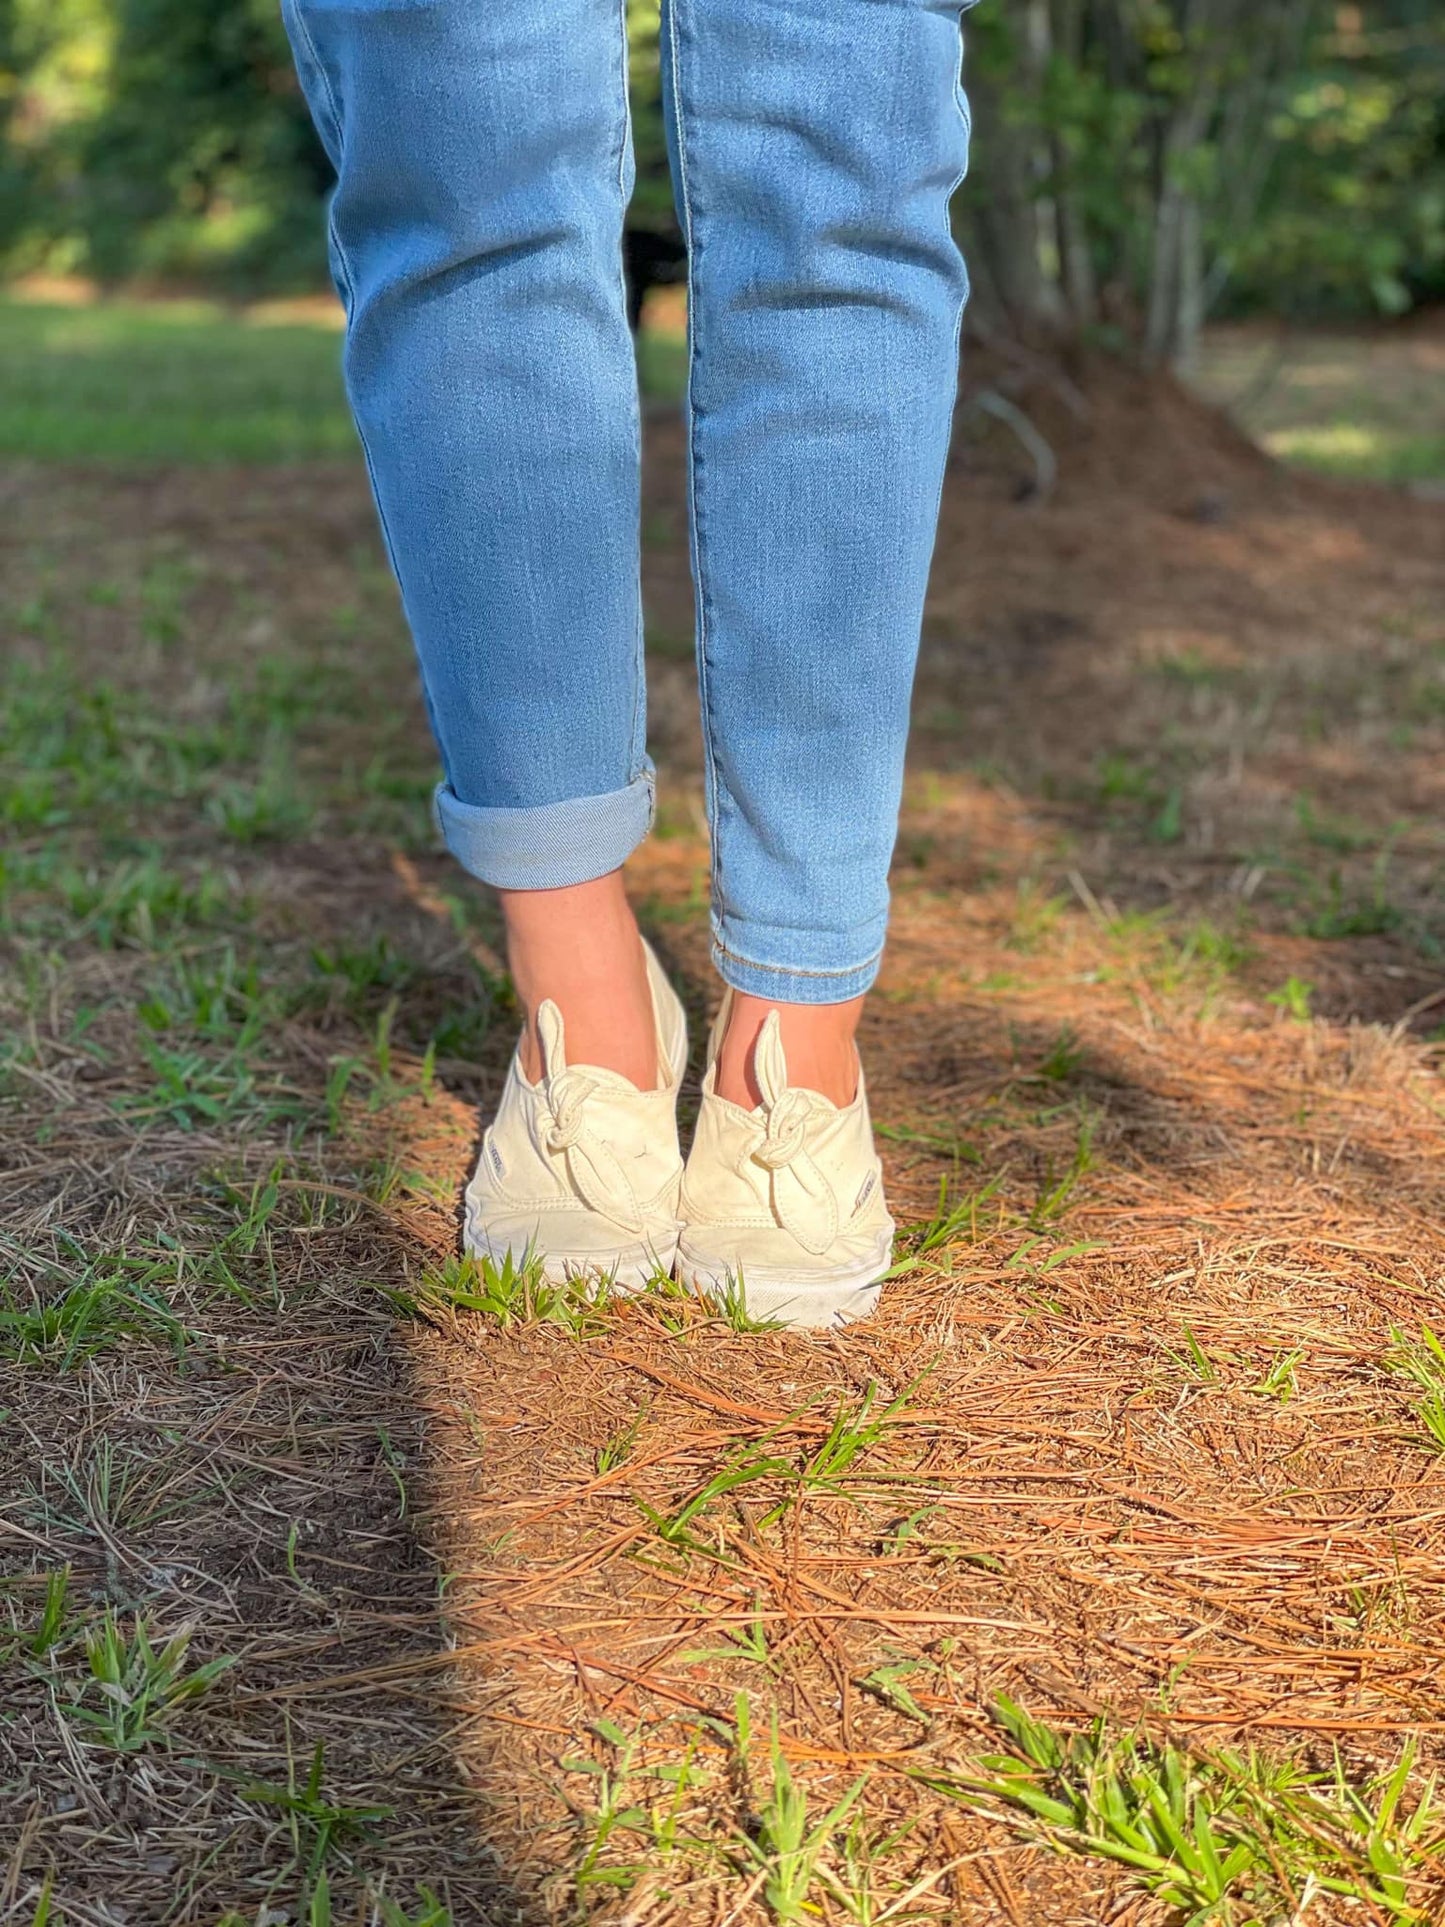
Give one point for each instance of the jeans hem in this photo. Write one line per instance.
(793, 984)
(551, 845)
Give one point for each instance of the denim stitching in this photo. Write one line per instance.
(347, 290)
(793, 970)
(292, 10)
(693, 466)
(636, 734)
(965, 115)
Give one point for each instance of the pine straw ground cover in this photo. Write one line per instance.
(1098, 1579)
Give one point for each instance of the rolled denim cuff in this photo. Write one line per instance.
(827, 978)
(551, 845)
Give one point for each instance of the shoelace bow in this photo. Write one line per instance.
(592, 1169)
(803, 1201)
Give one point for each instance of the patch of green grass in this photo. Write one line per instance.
(618, 1449)
(136, 901)
(196, 1089)
(1057, 1190)
(954, 1221)
(268, 808)
(1064, 1057)
(131, 381)
(1189, 666)
(1036, 916)
(140, 1686)
(71, 749)
(510, 1294)
(1328, 830)
(1194, 1361)
(945, 1145)
(748, 1644)
(111, 1302)
(317, 1826)
(749, 1465)
(662, 368)
(1279, 1380)
(1293, 998)
(1363, 405)
(1228, 1838)
(785, 1845)
(1121, 779)
(616, 1811)
(1422, 1361)
(730, 1302)
(354, 975)
(430, 1912)
(1343, 910)
(190, 381)
(1203, 957)
(1360, 451)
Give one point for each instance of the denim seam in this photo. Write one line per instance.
(348, 298)
(965, 117)
(792, 970)
(699, 567)
(636, 732)
(304, 34)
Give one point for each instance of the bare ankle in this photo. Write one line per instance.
(818, 1043)
(580, 948)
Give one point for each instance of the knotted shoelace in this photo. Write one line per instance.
(592, 1169)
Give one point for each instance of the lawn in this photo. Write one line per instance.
(1101, 1577)
(1367, 404)
(189, 381)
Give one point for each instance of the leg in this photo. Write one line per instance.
(816, 146)
(483, 166)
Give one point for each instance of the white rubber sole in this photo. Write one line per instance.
(819, 1303)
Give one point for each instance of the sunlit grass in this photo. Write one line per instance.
(1364, 406)
(1361, 452)
(167, 381)
(191, 381)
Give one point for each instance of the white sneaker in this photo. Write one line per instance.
(581, 1169)
(784, 1203)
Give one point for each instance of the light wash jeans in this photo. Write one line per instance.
(483, 156)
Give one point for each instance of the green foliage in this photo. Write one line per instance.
(1136, 161)
(1355, 219)
(160, 139)
(317, 1825)
(112, 1301)
(1142, 163)
(1422, 1362)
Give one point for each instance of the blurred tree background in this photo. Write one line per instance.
(1141, 165)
